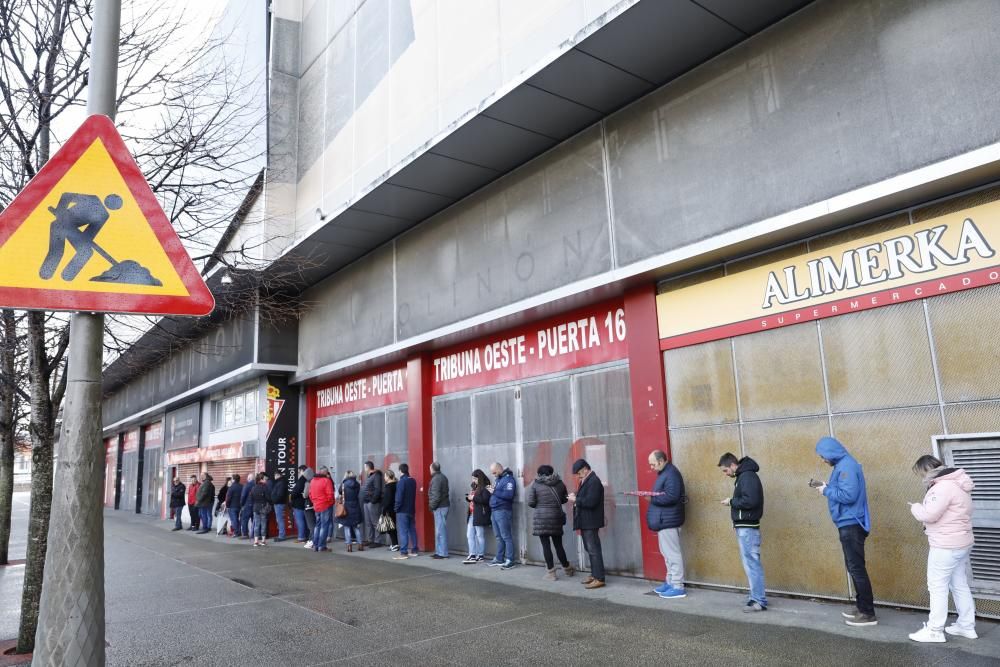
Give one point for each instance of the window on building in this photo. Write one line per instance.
(232, 411)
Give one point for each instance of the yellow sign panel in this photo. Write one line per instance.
(38, 256)
(947, 253)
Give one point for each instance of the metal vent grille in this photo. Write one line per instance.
(986, 556)
(983, 465)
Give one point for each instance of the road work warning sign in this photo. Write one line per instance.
(87, 234)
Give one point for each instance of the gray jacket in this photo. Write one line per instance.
(438, 492)
(546, 496)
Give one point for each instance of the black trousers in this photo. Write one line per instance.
(195, 517)
(592, 543)
(548, 541)
(852, 540)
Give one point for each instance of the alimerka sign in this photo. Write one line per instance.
(946, 254)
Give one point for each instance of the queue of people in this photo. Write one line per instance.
(382, 508)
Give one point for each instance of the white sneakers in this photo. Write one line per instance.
(927, 634)
(308, 545)
(953, 629)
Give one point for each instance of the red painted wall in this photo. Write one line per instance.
(419, 376)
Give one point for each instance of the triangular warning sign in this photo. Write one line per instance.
(87, 234)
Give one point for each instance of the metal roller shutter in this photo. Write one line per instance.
(220, 470)
(185, 470)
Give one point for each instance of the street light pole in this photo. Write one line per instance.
(71, 613)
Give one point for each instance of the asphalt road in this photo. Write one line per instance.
(181, 599)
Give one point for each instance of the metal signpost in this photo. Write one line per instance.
(87, 235)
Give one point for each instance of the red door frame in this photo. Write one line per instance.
(420, 435)
(649, 407)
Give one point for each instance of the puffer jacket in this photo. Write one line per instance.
(546, 495)
(177, 495)
(350, 491)
(666, 509)
(946, 511)
(321, 493)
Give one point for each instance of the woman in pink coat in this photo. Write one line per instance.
(946, 513)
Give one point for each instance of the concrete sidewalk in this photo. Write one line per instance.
(893, 624)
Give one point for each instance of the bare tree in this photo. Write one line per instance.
(185, 118)
(13, 400)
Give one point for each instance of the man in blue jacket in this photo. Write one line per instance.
(847, 498)
(406, 508)
(665, 517)
(502, 494)
(233, 504)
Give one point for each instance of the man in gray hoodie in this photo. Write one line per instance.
(437, 496)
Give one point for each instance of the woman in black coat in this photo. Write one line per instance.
(389, 507)
(260, 496)
(477, 517)
(546, 495)
(350, 494)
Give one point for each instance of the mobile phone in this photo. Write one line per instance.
(814, 483)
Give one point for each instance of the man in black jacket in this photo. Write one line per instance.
(665, 518)
(746, 507)
(279, 498)
(588, 518)
(177, 501)
(371, 496)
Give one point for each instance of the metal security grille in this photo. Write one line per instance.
(130, 480)
(152, 481)
(979, 456)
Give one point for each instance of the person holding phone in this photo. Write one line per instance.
(588, 518)
(478, 517)
(746, 507)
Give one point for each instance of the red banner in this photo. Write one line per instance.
(362, 392)
(586, 337)
(233, 450)
(154, 434)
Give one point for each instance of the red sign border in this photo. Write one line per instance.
(614, 351)
(820, 311)
(199, 301)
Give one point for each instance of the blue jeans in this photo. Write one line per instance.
(259, 526)
(476, 536)
(234, 520)
(749, 540)
(324, 522)
(279, 516)
(407, 533)
(177, 517)
(205, 518)
(352, 534)
(441, 531)
(245, 513)
(300, 523)
(505, 541)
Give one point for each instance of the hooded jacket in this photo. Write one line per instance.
(350, 492)
(846, 493)
(666, 510)
(546, 495)
(307, 502)
(321, 493)
(177, 495)
(504, 491)
(746, 507)
(947, 510)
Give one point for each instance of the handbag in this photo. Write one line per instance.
(340, 511)
(386, 524)
(558, 499)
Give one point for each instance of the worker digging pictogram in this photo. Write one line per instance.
(79, 218)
